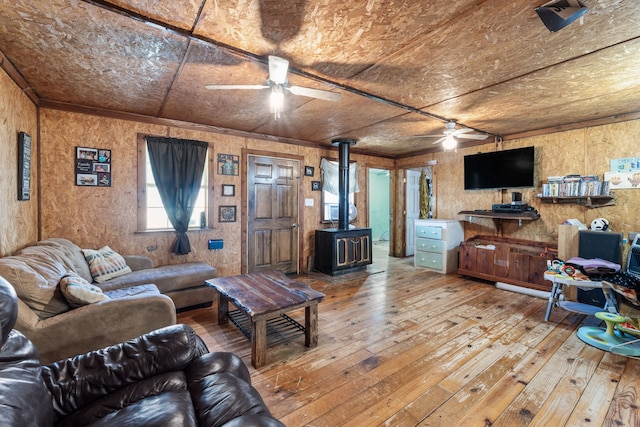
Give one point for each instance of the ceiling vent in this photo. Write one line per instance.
(557, 14)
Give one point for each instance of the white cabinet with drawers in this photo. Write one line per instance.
(437, 242)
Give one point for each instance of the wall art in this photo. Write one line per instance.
(227, 214)
(93, 167)
(24, 166)
(228, 190)
(228, 164)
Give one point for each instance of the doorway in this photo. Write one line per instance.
(380, 218)
(272, 214)
(413, 203)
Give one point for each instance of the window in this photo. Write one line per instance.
(330, 179)
(151, 213)
(330, 206)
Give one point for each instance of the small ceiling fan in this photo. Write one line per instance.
(449, 135)
(278, 83)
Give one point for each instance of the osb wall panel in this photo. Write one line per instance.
(97, 216)
(93, 217)
(582, 151)
(18, 219)
(90, 216)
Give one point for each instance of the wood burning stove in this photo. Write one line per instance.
(343, 249)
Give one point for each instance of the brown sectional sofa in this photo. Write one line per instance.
(140, 301)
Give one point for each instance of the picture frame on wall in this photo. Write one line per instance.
(93, 167)
(309, 170)
(227, 214)
(315, 185)
(228, 190)
(228, 164)
(24, 166)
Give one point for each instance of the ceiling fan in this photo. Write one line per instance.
(449, 135)
(278, 83)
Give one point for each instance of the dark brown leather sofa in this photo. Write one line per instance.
(163, 378)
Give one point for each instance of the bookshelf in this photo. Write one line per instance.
(575, 186)
(586, 190)
(586, 201)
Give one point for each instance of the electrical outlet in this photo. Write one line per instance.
(216, 244)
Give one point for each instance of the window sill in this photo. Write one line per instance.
(167, 230)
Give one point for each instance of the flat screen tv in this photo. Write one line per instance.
(499, 169)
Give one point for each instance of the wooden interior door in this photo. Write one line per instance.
(272, 214)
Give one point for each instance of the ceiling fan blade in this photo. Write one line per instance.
(440, 140)
(315, 93)
(428, 136)
(477, 136)
(278, 68)
(461, 131)
(224, 87)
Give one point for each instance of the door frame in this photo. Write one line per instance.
(246, 152)
(399, 243)
(409, 227)
(390, 172)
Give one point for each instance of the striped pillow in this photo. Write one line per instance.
(105, 264)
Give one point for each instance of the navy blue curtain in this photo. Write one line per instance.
(177, 166)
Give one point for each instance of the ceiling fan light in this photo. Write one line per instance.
(449, 142)
(277, 100)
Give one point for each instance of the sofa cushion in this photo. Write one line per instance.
(71, 253)
(42, 295)
(105, 264)
(166, 277)
(148, 289)
(161, 400)
(79, 292)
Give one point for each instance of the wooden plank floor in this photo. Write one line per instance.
(407, 347)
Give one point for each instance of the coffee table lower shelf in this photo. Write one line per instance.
(260, 298)
(279, 329)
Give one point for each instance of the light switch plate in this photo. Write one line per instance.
(308, 202)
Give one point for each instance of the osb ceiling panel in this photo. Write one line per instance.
(177, 13)
(345, 36)
(89, 56)
(569, 92)
(487, 46)
(403, 67)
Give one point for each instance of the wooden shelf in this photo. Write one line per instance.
(498, 217)
(587, 201)
(520, 216)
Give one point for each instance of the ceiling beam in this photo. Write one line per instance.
(576, 125)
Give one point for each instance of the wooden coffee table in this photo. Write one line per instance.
(263, 296)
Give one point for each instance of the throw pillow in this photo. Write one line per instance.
(79, 292)
(105, 264)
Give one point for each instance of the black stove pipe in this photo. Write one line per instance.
(343, 181)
